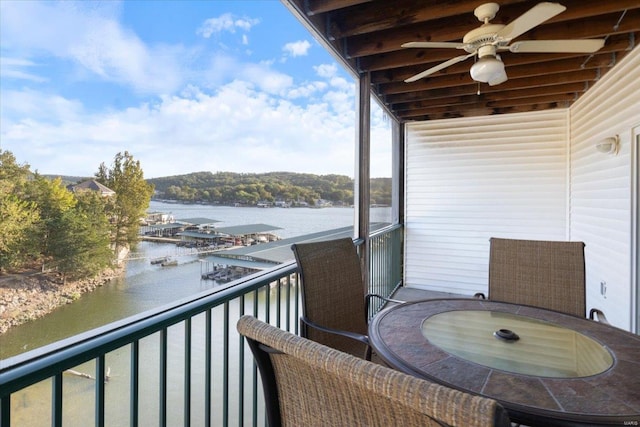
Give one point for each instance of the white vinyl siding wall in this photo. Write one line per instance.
(474, 178)
(600, 212)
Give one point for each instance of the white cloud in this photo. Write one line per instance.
(237, 128)
(326, 70)
(307, 90)
(16, 68)
(39, 107)
(88, 35)
(226, 22)
(120, 56)
(265, 78)
(298, 48)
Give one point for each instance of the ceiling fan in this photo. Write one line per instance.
(489, 39)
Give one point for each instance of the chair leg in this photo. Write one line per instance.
(367, 353)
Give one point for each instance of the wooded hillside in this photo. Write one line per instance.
(250, 189)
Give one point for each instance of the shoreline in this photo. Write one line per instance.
(29, 295)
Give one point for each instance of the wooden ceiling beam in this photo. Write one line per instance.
(476, 110)
(566, 98)
(392, 40)
(315, 7)
(461, 90)
(533, 64)
(563, 101)
(433, 101)
(425, 58)
(380, 16)
(386, 15)
(513, 83)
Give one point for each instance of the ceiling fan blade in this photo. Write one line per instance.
(438, 67)
(441, 45)
(557, 46)
(533, 17)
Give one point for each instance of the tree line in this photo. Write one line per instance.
(75, 233)
(229, 188)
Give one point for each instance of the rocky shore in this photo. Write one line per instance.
(28, 295)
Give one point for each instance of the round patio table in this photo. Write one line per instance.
(546, 368)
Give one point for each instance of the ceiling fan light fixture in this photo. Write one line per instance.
(487, 68)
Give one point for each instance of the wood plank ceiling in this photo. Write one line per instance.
(368, 34)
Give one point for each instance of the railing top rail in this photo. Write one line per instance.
(385, 230)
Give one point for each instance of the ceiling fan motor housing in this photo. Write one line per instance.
(484, 35)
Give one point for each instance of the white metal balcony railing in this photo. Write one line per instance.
(183, 364)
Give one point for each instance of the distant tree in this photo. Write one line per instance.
(19, 217)
(44, 222)
(80, 241)
(12, 175)
(133, 194)
(53, 200)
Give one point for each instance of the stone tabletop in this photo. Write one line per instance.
(608, 398)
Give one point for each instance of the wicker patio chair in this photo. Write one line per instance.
(546, 274)
(334, 300)
(308, 384)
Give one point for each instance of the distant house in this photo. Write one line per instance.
(91, 185)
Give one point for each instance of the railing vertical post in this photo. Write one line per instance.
(135, 384)
(288, 308)
(278, 302)
(100, 378)
(267, 303)
(297, 306)
(207, 370)
(163, 378)
(254, 377)
(5, 411)
(56, 401)
(225, 368)
(187, 372)
(241, 369)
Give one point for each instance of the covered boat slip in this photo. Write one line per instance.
(239, 235)
(279, 251)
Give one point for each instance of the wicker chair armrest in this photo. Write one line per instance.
(479, 295)
(598, 316)
(358, 337)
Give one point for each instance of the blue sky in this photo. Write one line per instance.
(184, 86)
